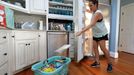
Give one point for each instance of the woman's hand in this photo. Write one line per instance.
(88, 10)
(78, 33)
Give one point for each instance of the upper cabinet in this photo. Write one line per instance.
(19, 5)
(27, 6)
(61, 9)
(39, 6)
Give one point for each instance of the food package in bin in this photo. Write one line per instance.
(61, 69)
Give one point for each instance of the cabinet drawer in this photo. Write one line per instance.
(3, 37)
(4, 69)
(25, 35)
(3, 54)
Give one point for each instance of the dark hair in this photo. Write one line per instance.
(94, 2)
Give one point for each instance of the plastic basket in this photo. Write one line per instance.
(62, 70)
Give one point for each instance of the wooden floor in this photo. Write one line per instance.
(124, 65)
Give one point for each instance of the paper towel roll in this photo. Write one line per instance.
(41, 25)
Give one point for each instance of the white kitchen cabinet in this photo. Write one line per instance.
(3, 53)
(33, 52)
(20, 54)
(26, 53)
(4, 68)
(26, 48)
(42, 45)
(27, 6)
(39, 7)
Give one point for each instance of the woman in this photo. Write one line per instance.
(100, 34)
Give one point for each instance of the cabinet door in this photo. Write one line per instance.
(32, 51)
(3, 54)
(126, 37)
(4, 69)
(39, 6)
(21, 54)
(26, 53)
(3, 47)
(42, 46)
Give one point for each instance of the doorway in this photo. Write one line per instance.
(126, 37)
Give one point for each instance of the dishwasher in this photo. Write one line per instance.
(55, 39)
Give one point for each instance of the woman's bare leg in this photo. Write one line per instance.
(102, 45)
(95, 48)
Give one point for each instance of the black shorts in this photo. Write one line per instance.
(105, 37)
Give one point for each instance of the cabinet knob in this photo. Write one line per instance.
(4, 37)
(29, 44)
(5, 54)
(13, 36)
(26, 44)
(121, 29)
(6, 74)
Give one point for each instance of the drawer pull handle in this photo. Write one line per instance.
(4, 37)
(13, 36)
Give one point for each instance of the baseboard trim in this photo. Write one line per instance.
(114, 54)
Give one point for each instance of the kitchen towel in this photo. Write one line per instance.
(9, 18)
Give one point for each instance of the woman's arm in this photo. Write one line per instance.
(94, 19)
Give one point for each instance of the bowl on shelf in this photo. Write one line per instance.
(29, 25)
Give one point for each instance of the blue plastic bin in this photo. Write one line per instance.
(62, 70)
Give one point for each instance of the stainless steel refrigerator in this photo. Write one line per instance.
(55, 40)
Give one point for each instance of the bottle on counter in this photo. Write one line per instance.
(40, 25)
(68, 27)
